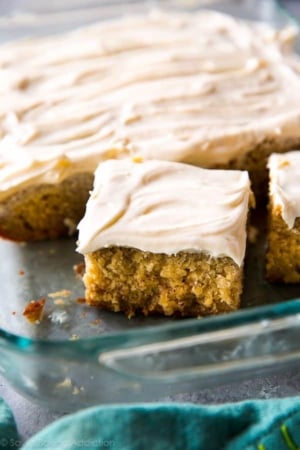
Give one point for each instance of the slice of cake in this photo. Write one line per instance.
(165, 237)
(204, 89)
(283, 253)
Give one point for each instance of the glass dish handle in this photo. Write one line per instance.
(256, 345)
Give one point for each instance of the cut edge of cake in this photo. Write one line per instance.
(185, 283)
(283, 249)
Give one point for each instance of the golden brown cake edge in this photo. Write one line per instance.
(283, 250)
(46, 211)
(185, 284)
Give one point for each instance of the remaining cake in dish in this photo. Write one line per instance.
(202, 88)
(283, 254)
(165, 237)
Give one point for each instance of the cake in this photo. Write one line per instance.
(204, 89)
(164, 237)
(283, 254)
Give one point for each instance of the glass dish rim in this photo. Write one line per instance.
(156, 333)
(232, 320)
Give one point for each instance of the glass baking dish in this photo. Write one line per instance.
(79, 356)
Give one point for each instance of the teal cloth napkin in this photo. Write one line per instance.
(8, 430)
(251, 425)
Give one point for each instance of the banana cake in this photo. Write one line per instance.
(165, 237)
(283, 253)
(204, 89)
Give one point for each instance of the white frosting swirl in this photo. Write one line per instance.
(285, 185)
(199, 88)
(166, 207)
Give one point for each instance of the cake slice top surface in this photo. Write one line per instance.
(166, 207)
(285, 185)
(201, 88)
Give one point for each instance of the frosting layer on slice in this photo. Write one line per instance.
(166, 207)
(285, 185)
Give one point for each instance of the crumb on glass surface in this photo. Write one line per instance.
(34, 309)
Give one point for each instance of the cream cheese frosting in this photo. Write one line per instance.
(201, 88)
(166, 207)
(285, 185)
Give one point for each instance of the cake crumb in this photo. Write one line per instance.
(284, 163)
(277, 209)
(79, 269)
(137, 159)
(81, 300)
(71, 225)
(66, 383)
(74, 337)
(21, 272)
(59, 301)
(96, 322)
(252, 234)
(13, 313)
(75, 391)
(62, 293)
(33, 311)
